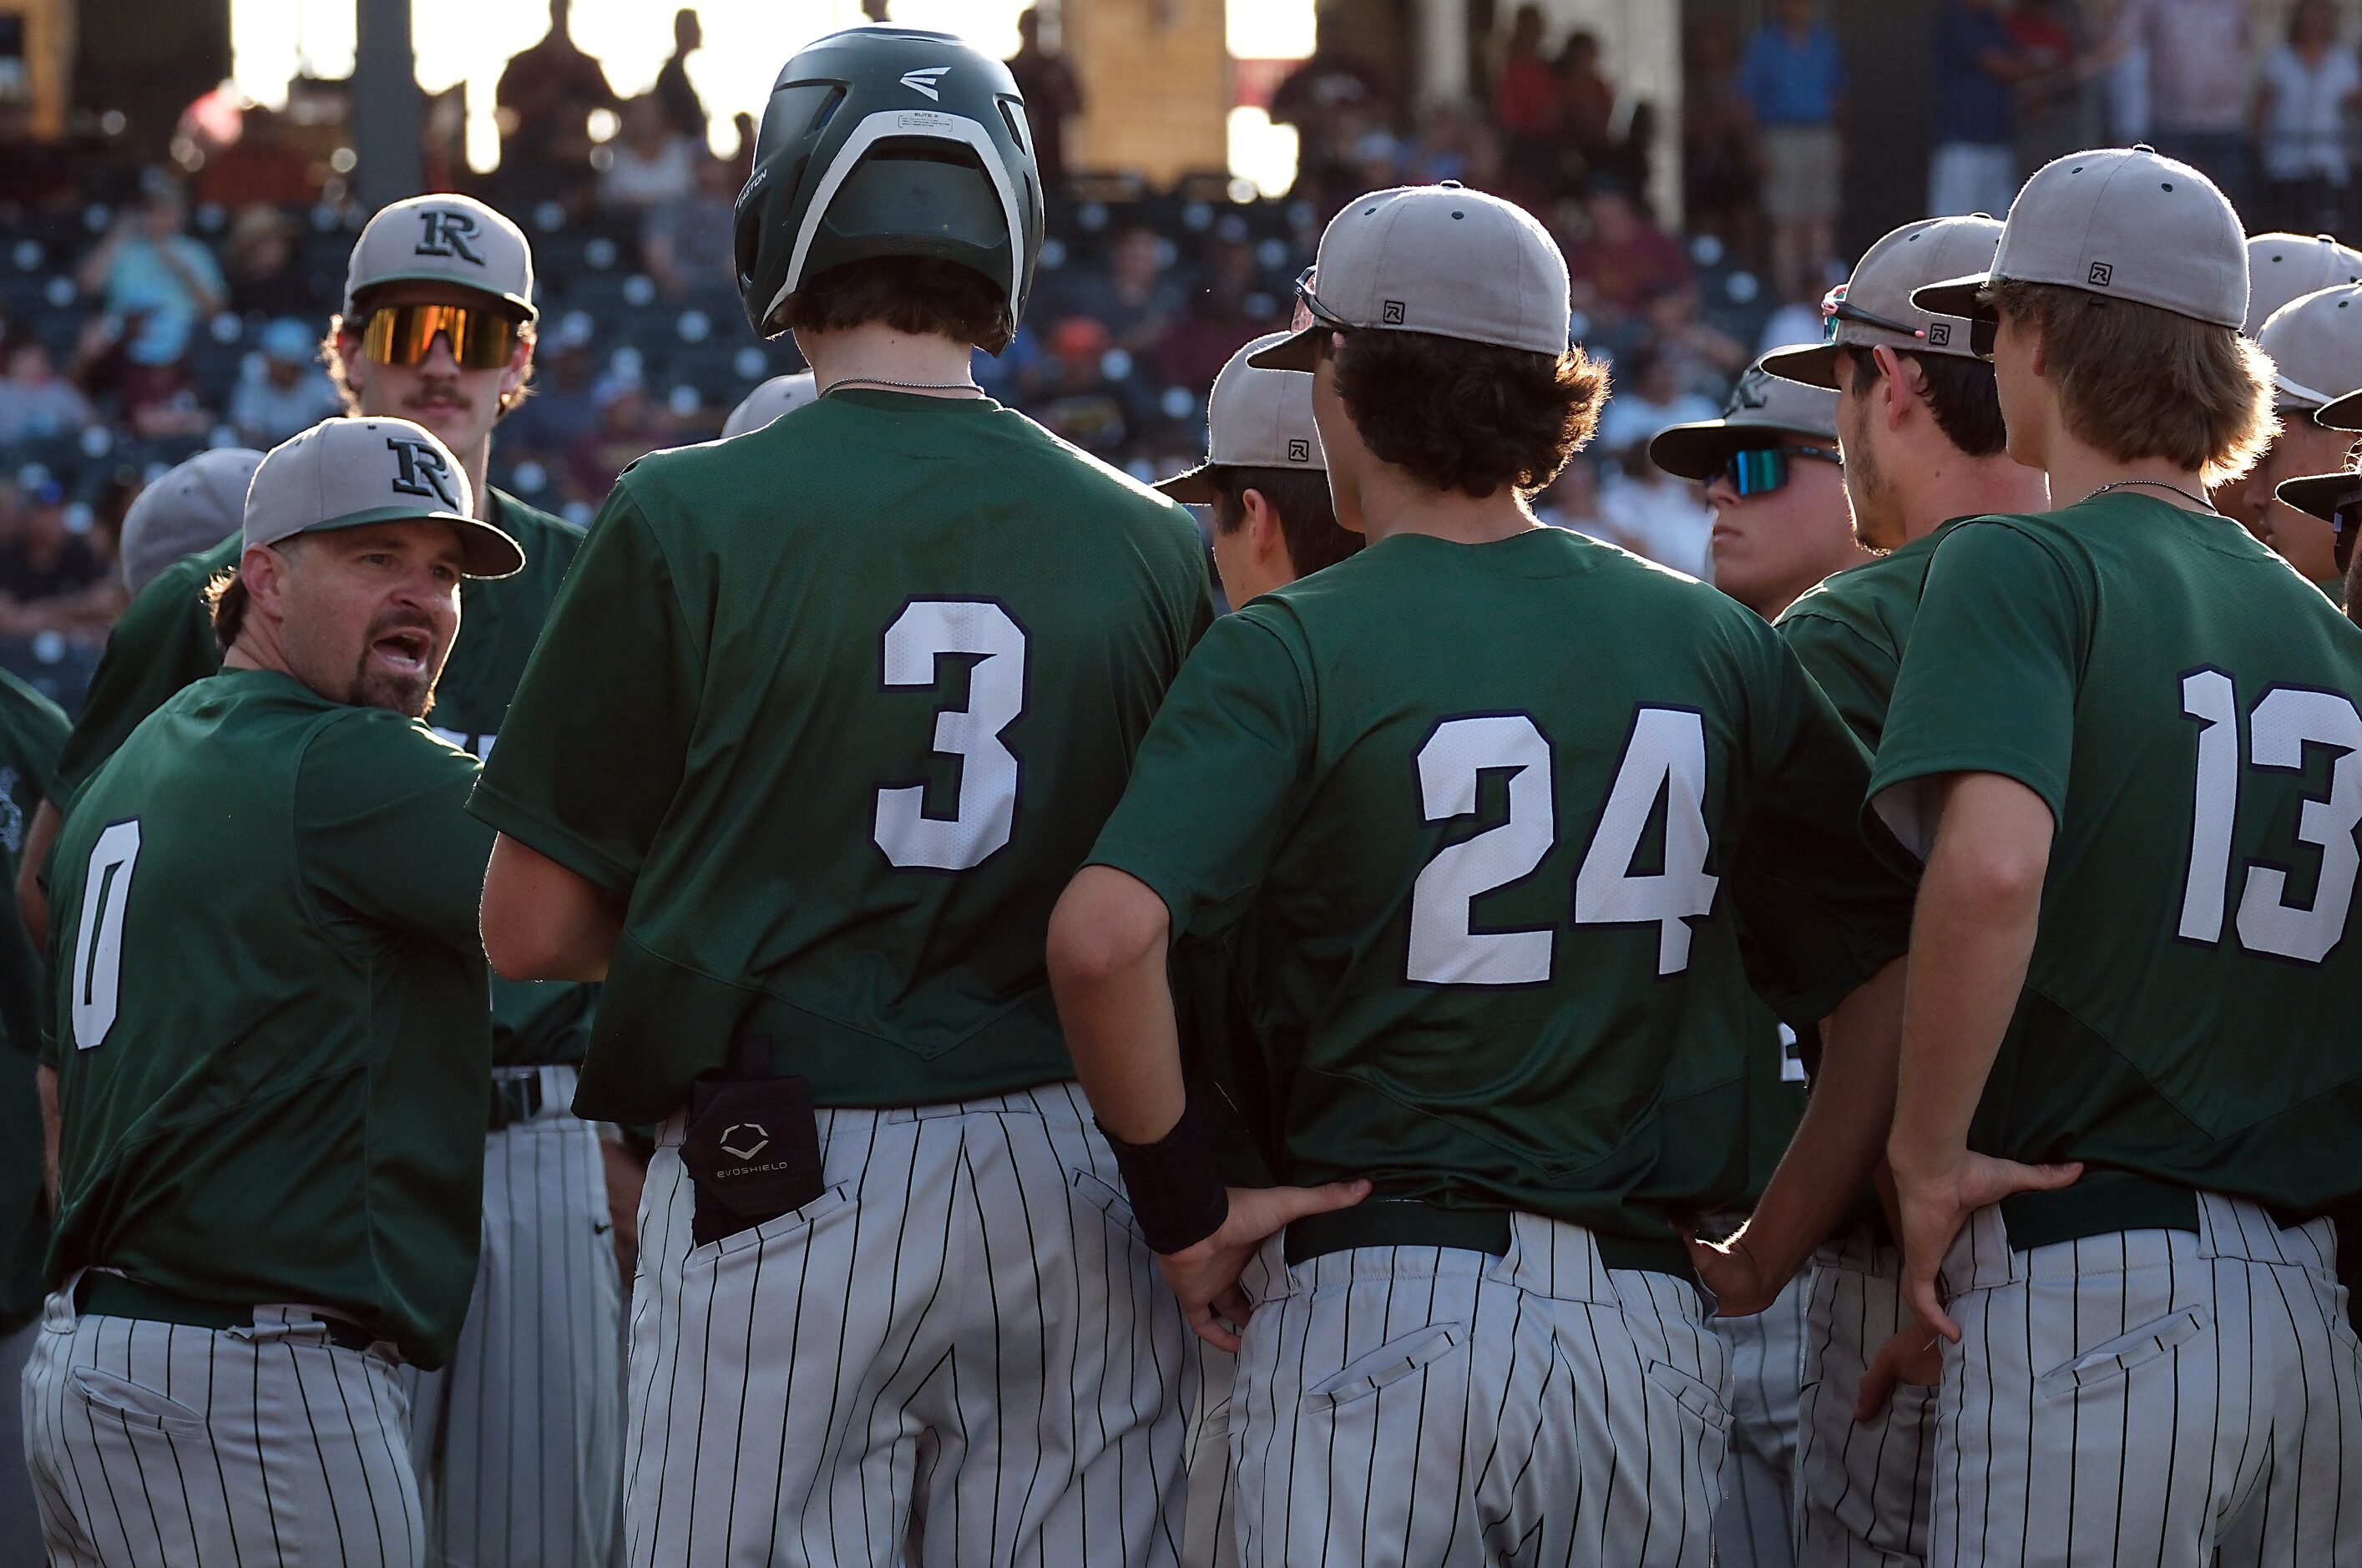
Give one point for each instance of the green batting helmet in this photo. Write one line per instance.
(889, 141)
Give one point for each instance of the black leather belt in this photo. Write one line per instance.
(2099, 1205)
(516, 1100)
(111, 1295)
(1403, 1223)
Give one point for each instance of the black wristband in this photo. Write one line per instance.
(1176, 1195)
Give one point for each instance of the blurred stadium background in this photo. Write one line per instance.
(181, 180)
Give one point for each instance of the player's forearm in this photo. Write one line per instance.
(52, 1130)
(32, 900)
(1978, 906)
(1843, 1132)
(1105, 957)
(542, 922)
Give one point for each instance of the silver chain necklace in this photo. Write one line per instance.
(902, 386)
(2160, 484)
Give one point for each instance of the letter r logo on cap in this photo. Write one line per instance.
(421, 470)
(446, 233)
(2101, 273)
(1299, 451)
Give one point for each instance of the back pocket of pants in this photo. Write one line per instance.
(137, 1405)
(2125, 1355)
(1369, 1374)
(1694, 1394)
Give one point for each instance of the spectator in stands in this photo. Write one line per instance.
(51, 577)
(1330, 99)
(631, 425)
(1795, 78)
(1078, 404)
(1525, 104)
(546, 95)
(565, 402)
(1227, 308)
(685, 243)
(1623, 258)
(265, 271)
(683, 110)
(1572, 502)
(36, 403)
(742, 162)
(1136, 298)
(1649, 396)
(2309, 85)
(282, 390)
(1586, 108)
(651, 163)
(2197, 80)
(159, 282)
(2054, 108)
(1053, 96)
(261, 167)
(1707, 358)
(1455, 145)
(1652, 513)
(1722, 154)
(1978, 68)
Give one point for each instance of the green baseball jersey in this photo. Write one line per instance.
(1849, 632)
(271, 1010)
(165, 640)
(838, 705)
(32, 728)
(1498, 814)
(2184, 703)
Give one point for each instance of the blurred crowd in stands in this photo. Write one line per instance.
(145, 313)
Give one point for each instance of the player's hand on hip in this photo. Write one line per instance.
(1933, 1200)
(1912, 1355)
(1727, 1268)
(1205, 1276)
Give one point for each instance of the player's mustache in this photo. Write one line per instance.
(402, 621)
(438, 396)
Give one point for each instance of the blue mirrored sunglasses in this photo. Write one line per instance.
(1759, 470)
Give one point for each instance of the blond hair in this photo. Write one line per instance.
(2136, 381)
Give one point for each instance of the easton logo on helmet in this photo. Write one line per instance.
(446, 233)
(926, 79)
(423, 471)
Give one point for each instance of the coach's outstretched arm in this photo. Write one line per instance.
(1107, 961)
(542, 922)
(1978, 905)
(1836, 1148)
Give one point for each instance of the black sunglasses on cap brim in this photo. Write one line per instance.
(2345, 520)
(1309, 310)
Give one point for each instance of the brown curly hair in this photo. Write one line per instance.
(1468, 416)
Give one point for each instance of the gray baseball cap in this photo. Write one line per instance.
(2315, 344)
(1435, 258)
(2122, 222)
(775, 397)
(2317, 496)
(443, 239)
(2284, 267)
(1764, 410)
(1873, 307)
(347, 473)
(194, 506)
(1254, 419)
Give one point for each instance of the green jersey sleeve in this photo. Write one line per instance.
(591, 753)
(1852, 671)
(1988, 682)
(164, 641)
(383, 829)
(1823, 898)
(1208, 801)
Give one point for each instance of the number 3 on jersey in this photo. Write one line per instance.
(98, 941)
(925, 631)
(1665, 757)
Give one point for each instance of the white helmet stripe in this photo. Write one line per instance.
(878, 127)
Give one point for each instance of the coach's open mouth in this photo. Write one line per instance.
(404, 651)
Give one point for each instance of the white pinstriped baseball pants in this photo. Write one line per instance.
(962, 1353)
(155, 1443)
(2150, 1396)
(1861, 1487)
(1756, 1527)
(1435, 1407)
(1212, 1538)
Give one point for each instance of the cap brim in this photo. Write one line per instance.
(1191, 487)
(532, 312)
(2340, 414)
(1299, 351)
(1956, 296)
(1694, 451)
(484, 550)
(1814, 366)
(2317, 496)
